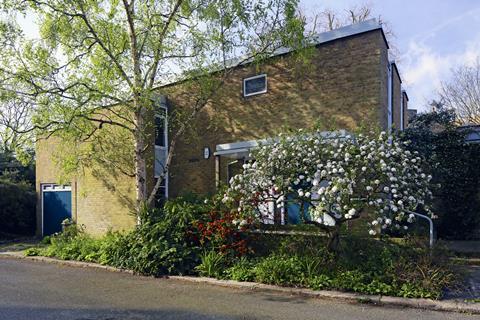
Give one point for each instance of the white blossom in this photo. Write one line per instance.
(334, 175)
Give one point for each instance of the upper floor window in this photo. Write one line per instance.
(160, 130)
(255, 85)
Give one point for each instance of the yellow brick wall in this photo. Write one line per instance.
(99, 202)
(397, 98)
(343, 87)
(405, 109)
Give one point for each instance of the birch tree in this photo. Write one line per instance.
(15, 117)
(97, 65)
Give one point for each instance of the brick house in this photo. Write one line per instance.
(349, 82)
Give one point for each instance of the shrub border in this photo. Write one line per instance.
(355, 298)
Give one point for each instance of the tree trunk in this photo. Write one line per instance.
(139, 109)
(140, 163)
(333, 240)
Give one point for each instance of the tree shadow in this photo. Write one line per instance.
(18, 244)
(78, 313)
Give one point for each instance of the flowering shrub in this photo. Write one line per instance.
(338, 177)
(223, 233)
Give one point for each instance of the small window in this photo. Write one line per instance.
(255, 85)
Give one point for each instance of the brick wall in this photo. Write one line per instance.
(101, 201)
(396, 97)
(342, 86)
(405, 109)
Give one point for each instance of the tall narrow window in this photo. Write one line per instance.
(255, 85)
(161, 152)
(160, 134)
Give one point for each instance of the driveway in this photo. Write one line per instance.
(36, 290)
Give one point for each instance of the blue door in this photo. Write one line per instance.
(57, 206)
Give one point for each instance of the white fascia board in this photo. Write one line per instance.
(246, 146)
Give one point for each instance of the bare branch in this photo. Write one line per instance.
(462, 93)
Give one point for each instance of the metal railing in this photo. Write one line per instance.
(431, 242)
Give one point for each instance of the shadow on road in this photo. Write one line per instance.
(17, 244)
(24, 312)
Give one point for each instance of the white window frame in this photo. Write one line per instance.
(164, 149)
(52, 187)
(253, 78)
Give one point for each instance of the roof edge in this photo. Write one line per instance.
(394, 64)
(318, 39)
(350, 30)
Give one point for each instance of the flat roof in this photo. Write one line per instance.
(316, 40)
(328, 36)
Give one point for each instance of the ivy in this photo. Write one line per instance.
(455, 170)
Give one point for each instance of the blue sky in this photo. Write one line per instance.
(432, 37)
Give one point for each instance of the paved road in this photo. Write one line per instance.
(36, 290)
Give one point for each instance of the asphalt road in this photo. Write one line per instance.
(36, 290)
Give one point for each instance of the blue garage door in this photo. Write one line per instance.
(57, 206)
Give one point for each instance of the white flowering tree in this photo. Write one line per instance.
(340, 178)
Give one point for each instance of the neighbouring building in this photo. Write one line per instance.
(349, 82)
(411, 113)
(472, 133)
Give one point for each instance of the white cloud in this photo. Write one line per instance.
(425, 68)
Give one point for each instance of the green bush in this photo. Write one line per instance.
(362, 265)
(280, 270)
(352, 280)
(33, 252)
(369, 256)
(168, 243)
(73, 244)
(242, 270)
(212, 264)
(416, 290)
(379, 288)
(454, 167)
(320, 282)
(113, 248)
(161, 245)
(17, 207)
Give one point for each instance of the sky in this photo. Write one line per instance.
(431, 36)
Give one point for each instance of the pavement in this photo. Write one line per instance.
(469, 247)
(471, 288)
(39, 290)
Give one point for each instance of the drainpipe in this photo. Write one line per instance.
(389, 97)
(402, 125)
(217, 171)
